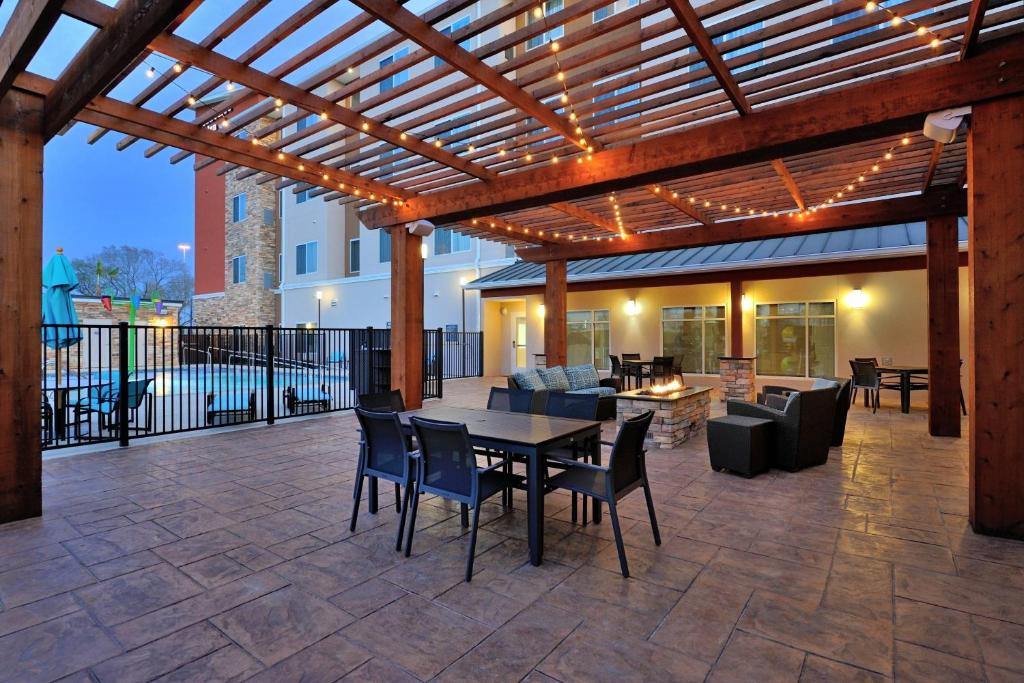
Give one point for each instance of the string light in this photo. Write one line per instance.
(897, 20)
(150, 72)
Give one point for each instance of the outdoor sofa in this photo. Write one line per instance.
(775, 396)
(577, 379)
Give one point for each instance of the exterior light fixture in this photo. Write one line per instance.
(857, 298)
(319, 295)
(746, 303)
(424, 251)
(632, 308)
(540, 310)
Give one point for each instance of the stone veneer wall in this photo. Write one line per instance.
(250, 303)
(674, 422)
(737, 378)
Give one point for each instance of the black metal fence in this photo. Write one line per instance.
(111, 383)
(463, 355)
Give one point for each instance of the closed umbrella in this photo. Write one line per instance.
(58, 309)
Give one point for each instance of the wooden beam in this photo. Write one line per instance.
(598, 221)
(888, 105)
(407, 317)
(790, 182)
(933, 163)
(424, 35)
(109, 51)
(26, 30)
(665, 195)
(995, 158)
(555, 309)
(21, 260)
(836, 217)
(736, 317)
(943, 326)
(975, 20)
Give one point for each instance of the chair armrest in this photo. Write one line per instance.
(584, 465)
(776, 401)
(612, 382)
(607, 443)
(501, 463)
(737, 407)
(776, 389)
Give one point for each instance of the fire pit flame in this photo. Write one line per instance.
(662, 389)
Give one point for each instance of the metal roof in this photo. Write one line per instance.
(887, 241)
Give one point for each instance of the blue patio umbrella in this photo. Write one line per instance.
(58, 309)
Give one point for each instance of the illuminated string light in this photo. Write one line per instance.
(896, 20)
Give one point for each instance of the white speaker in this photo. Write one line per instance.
(421, 228)
(941, 125)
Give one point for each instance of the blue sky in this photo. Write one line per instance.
(95, 195)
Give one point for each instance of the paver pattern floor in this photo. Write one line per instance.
(228, 557)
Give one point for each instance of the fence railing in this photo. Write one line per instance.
(463, 355)
(113, 383)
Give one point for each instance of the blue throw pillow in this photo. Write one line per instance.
(554, 378)
(582, 377)
(528, 379)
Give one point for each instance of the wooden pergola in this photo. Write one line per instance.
(662, 125)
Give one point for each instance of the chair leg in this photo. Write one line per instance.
(398, 498)
(355, 505)
(614, 514)
(853, 397)
(650, 511)
(464, 515)
(402, 516)
(575, 499)
(412, 520)
(874, 402)
(472, 542)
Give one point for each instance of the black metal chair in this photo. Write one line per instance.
(576, 407)
(616, 371)
(626, 471)
(865, 376)
(385, 400)
(446, 467)
(662, 369)
(510, 400)
(637, 372)
(384, 455)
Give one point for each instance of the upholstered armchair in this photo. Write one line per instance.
(803, 426)
(775, 396)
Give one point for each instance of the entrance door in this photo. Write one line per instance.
(519, 344)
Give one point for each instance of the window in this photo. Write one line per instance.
(756, 26)
(588, 338)
(238, 208)
(301, 197)
(608, 10)
(398, 78)
(385, 246)
(448, 31)
(305, 122)
(388, 165)
(353, 256)
(694, 336)
(305, 258)
(448, 242)
(550, 7)
(615, 107)
(796, 339)
(238, 270)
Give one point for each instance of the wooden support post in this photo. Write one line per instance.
(943, 327)
(21, 259)
(995, 165)
(736, 318)
(554, 314)
(407, 316)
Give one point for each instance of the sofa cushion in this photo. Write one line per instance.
(582, 377)
(528, 379)
(554, 378)
(822, 383)
(600, 391)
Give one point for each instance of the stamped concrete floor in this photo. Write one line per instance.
(228, 557)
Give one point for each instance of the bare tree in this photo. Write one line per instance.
(122, 271)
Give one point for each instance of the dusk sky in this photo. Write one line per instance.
(96, 196)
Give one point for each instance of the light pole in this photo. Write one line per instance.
(184, 248)
(462, 284)
(319, 298)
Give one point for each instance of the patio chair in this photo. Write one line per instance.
(802, 428)
(867, 378)
(662, 369)
(637, 372)
(616, 371)
(576, 407)
(385, 455)
(446, 467)
(307, 399)
(776, 396)
(46, 418)
(626, 472)
(105, 402)
(511, 400)
(230, 407)
(385, 400)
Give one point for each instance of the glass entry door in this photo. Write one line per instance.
(519, 343)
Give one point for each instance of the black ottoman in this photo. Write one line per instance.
(739, 444)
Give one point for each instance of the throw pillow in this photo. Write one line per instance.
(554, 378)
(529, 379)
(582, 377)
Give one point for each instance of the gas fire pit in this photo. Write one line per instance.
(680, 412)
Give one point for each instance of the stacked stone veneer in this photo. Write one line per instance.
(258, 236)
(675, 420)
(737, 376)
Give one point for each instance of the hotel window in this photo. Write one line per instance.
(305, 122)
(608, 10)
(301, 197)
(448, 242)
(385, 246)
(397, 78)
(238, 208)
(796, 339)
(756, 26)
(614, 93)
(550, 7)
(588, 338)
(238, 270)
(694, 336)
(353, 256)
(305, 258)
(448, 30)
(387, 165)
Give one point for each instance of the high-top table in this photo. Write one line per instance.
(522, 434)
(904, 372)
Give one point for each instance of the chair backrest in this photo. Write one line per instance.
(576, 406)
(137, 390)
(865, 374)
(631, 356)
(662, 365)
(385, 442)
(510, 400)
(385, 400)
(447, 461)
(616, 365)
(626, 462)
(869, 359)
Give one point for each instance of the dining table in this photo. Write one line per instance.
(524, 434)
(906, 374)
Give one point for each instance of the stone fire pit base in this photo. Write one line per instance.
(678, 417)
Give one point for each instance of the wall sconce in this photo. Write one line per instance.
(424, 251)
(540, 310)
(746, 304)
(463, 281)
(857, 298)
(319, 295)
(632, 308)
(504, 310)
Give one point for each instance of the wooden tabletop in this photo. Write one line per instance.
(514, 428)
(916, 369)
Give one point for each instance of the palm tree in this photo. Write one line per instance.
(101, 272)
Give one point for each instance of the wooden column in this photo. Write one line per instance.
(943, 327)
(995, 166)
(21, 258)
(736, 318)
(407, 316)
(554, 314)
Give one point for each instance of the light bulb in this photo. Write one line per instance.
(555, 46)
(177, 68)
(150, 72)
(278, 102)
